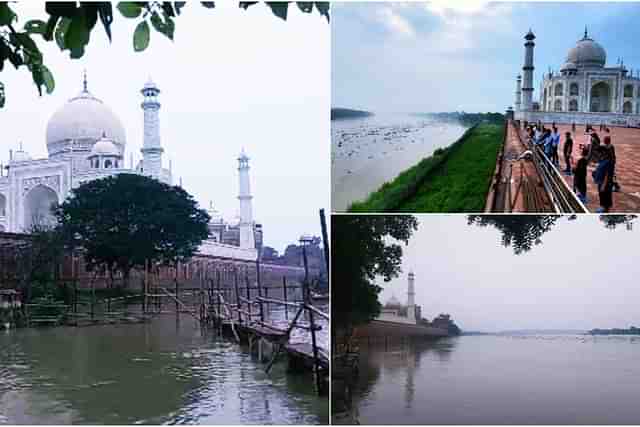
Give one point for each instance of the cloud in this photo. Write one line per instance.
(394, 22)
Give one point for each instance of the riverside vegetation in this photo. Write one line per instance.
(453, 179)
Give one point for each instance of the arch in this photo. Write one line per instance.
(38, 207)
(600, 98)
(544, 102)
(573, 105)
(628, 91)
(107, 164)
(557, 91)
(557, 105)
(574, 89)
(627, 107)
(3, 205)
(2, 230)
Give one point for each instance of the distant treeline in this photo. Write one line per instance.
(466, 119)
(346, 113)
(616, 331)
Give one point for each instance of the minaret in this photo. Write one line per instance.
(527, 84)
(411, 297)
(151, 148)
(247, 237)
(518, 93)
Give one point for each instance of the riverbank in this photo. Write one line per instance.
(453, 179)
(347, 113)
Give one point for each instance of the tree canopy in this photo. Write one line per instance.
(123, 221)
(522, 232)
(363, 249)
(71, 24)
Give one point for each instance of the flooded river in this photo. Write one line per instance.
(546, 379)
(163, 372)
(367, 152)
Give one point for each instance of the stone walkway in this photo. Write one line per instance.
(627, 145)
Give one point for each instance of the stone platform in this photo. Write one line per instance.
(627, 146)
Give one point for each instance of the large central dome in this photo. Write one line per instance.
(79, 123)
(587, 53)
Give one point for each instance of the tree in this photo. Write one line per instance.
(71, 25)
(123, 221)
(363, 250)
(521, 232)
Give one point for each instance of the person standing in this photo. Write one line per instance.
(567, 149)
(580, 175)
(555, 143)
(612, 156)
(603, 177)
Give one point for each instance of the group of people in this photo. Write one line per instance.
(603, 155)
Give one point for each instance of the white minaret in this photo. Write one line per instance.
(527, 83)
(518, 93)
(151, 148)
(247, 237)
(411, 297)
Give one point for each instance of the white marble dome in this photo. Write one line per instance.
(84, 119)
(105, 147)
(587, 53)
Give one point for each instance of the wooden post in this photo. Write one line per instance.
(325, 240)
(249, 305)
(284, 294)
(314, 343)
(235, 284)
(219, 298)
(259, 290)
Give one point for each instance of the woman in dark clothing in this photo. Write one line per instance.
(603, 176)
(567, 149)
(580, 175)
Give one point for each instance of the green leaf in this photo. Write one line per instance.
(245, 4)
(6, 14)
(141, 37)
(61, 30)
(2, 96)
(35, 26)
(27, 43)
(106, 17)
(178, 5)
(77, 35)
(305, 6)
(51, 27)
(168, 9)
(166, 27)
(48, 80)
(279, 8)
(323, 8)
(61, 8)
(209, 4)
(129, 9)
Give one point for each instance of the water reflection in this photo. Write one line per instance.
(167, 371)
(543, 379)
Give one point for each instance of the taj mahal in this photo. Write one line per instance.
(396, 312)
(86, 141)
(584, 91)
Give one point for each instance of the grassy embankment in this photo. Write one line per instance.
(453, 179)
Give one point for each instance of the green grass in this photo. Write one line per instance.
(454, 179)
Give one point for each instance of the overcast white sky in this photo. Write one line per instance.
(582, 276)
(231, 79)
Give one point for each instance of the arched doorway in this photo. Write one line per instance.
(3, 205)
(627, 108)
(600, 98)
(38, 208)
(573, 105)
(557, 106)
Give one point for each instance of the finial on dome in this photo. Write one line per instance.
(586, 34)
(84, 81)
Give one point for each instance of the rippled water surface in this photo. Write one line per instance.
(503, 380)
(161, 372)
(367, 152)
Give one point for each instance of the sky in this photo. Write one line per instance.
(582, 276)
(231, 79)
(462, 55)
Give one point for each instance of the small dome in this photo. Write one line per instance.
(393, 303)
(569, 66)
(587, 53)
(216, 216)
(104, 147)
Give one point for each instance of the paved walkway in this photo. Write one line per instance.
(627, 145)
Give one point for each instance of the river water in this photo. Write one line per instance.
(367, 152)
(165, 371)
(546, 379)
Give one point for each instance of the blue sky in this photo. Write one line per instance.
(462, 55)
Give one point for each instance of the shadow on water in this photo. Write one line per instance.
(164, 372)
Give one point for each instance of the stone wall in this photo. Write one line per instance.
(595, 119)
